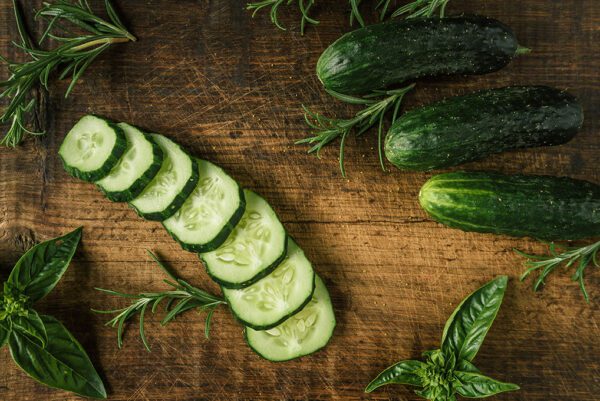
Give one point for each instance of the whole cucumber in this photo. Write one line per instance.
(393, 52)
(470, 127)
(542, 207)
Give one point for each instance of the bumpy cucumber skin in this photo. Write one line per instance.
(397, 51)
(265, 272)
(547, 208)
(141, 183)
(222, 236)
(179, 199)
(109, 164)
(283, 319)
(470, 127)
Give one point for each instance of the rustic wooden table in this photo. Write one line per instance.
(230, 89)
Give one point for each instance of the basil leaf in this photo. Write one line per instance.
(476, 385)
(467, 366)
(467, 327)
(40, 269)
(62, 364)
(405, 372)
(31, 325)
(4, 333)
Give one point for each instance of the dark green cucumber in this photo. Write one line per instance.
(466, 128)
(547, 208)
(393, 52)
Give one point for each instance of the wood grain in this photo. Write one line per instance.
(230, 88)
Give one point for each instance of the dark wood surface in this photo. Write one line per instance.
(230, 89)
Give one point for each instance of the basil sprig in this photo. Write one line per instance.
(40, 344)
(449, 371)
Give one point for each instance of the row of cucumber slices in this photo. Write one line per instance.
(267, 280)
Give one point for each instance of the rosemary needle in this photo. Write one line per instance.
(303, 5)
(378, 104)
(74, 53)
(581, 257)
(181, 298)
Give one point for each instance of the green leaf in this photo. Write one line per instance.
(31, 325)
(4, 333)
(476, 385)
(40, 269)
(466, 366)
(405, 372)
(62, 364)
(467, 327)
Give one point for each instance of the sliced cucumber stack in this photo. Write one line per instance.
(265, 277)
(211, 212)
(254, 249)
(275, 298)
(304, 333)
(92, 148)
(175, 181)
(135, 170)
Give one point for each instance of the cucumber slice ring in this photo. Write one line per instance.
(273, 299)
(176, 180)
(306, 332)
(210, 213)
(257, 245)
(136, 169)
(92, 148)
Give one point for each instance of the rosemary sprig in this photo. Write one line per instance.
(326, 130)
(74, 54)
(355, 13)
(418, 8)
(303, 5)
(181, 298)
(581, 257)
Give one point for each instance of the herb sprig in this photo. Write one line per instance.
(417, 8)
(73, 55)
(181, 298)
(449, 371)
(303, 5)
(39, 344)
(578, 257)
(378, 104)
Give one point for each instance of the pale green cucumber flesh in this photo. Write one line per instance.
(273, 299)
(254, 249)
(210, 213)
(135, 170)
(175, 181)
(92, 148)
(304, 333)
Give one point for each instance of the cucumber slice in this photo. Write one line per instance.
(137, 167)
(304, 333)
(92, 148)
(211, 212)
(254, 249)
(273, 299)
(175, 181)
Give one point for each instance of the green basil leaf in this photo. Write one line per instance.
(31, 325)
(467, 366)
(4, 333)
(476, 385)
(467, 327)
(405, 372)
(62, 364)
(40, 269)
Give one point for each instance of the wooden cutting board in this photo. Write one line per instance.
(230, 89)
